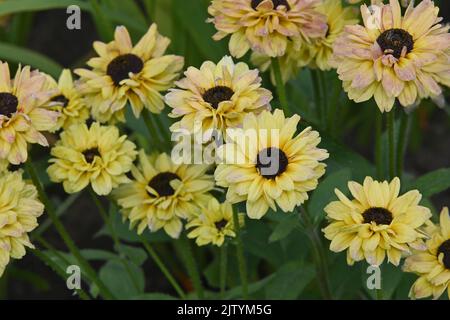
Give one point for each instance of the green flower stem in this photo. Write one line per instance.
(378, 144)
(112, 232)
(154, 136)
(240, 256)
(391, 142)
(223, 269)
(185, 249)
(152, 253)
(317, 95)
(62, 273)
(324, 95)
(90, 272)
(281, 89)
(405, 123)
(319, 255)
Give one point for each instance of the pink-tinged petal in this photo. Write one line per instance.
(405, 69)
(384, 102)
(391, 84)
(409, 94)
(238, 44)
(123, 40)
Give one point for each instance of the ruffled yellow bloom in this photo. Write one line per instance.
(19, 210)
(4, 164)
(432, 265)
(266, 26)
(217, 96)
(163, 193)
(123, 73)
(393, 57)
(213, 224)
(97, 155)
(318, 52)
(22, 115)
(266, 163)
(67, 101)
(376, 222)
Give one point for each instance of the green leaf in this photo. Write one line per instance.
(289, 281)
(24, 56)
(118, 280)
(136, 255)
(102, 24)
(433, 182)
(285, 227)
(324, 193)
(154, 296)
(252, 288)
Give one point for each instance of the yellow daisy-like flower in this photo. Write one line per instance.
(123, 73)
(213, 224)
(266, 164)
(393, 57)
(376, 222)
(19, 210)
(433, 264)
(22, 115)
(316, 54)
(163, 193)
(217, 96)
(97, 155)
(266, 26)
(67, 101)
(4, 164)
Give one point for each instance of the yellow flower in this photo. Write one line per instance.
(213, 224)
(217, 96)
(4, 164)
(393, 57)
(318, 52)
(123, 73)
(376, 222)
(266, 164)
(95, 155)
(19, 210)
(432, 265)
(163, 193)
(22, 115)
(67, 101)
(266, 26)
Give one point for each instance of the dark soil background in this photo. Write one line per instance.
(50, 37)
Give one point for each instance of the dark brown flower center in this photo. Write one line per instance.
(395, 40)
(221, 224)
(120, 67)
(161, 183)
(90, 154)
(271, 162)
(276, 3)
(61, 99)
(8, 104)
(445, 249)
(216, 95)
(377, 215)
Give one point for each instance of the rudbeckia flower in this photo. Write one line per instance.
(266, 163)
(96, 156)
(376, 223)
(433, 264)
(124, 74)
(266, 26)
(213, 224)
(19, 210)
(217, 96)
(22, 114)
(67, 101)
(393, 57)
(163, 193)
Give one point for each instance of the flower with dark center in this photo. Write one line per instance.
(271, 162)
(445, 249)
(276, 3)
(120, 67)
(161, 183)
(216, 95)
(8, 104)
(90, 154)
(221, 224)
(61, 99)
(377, 215)
(395, 40)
